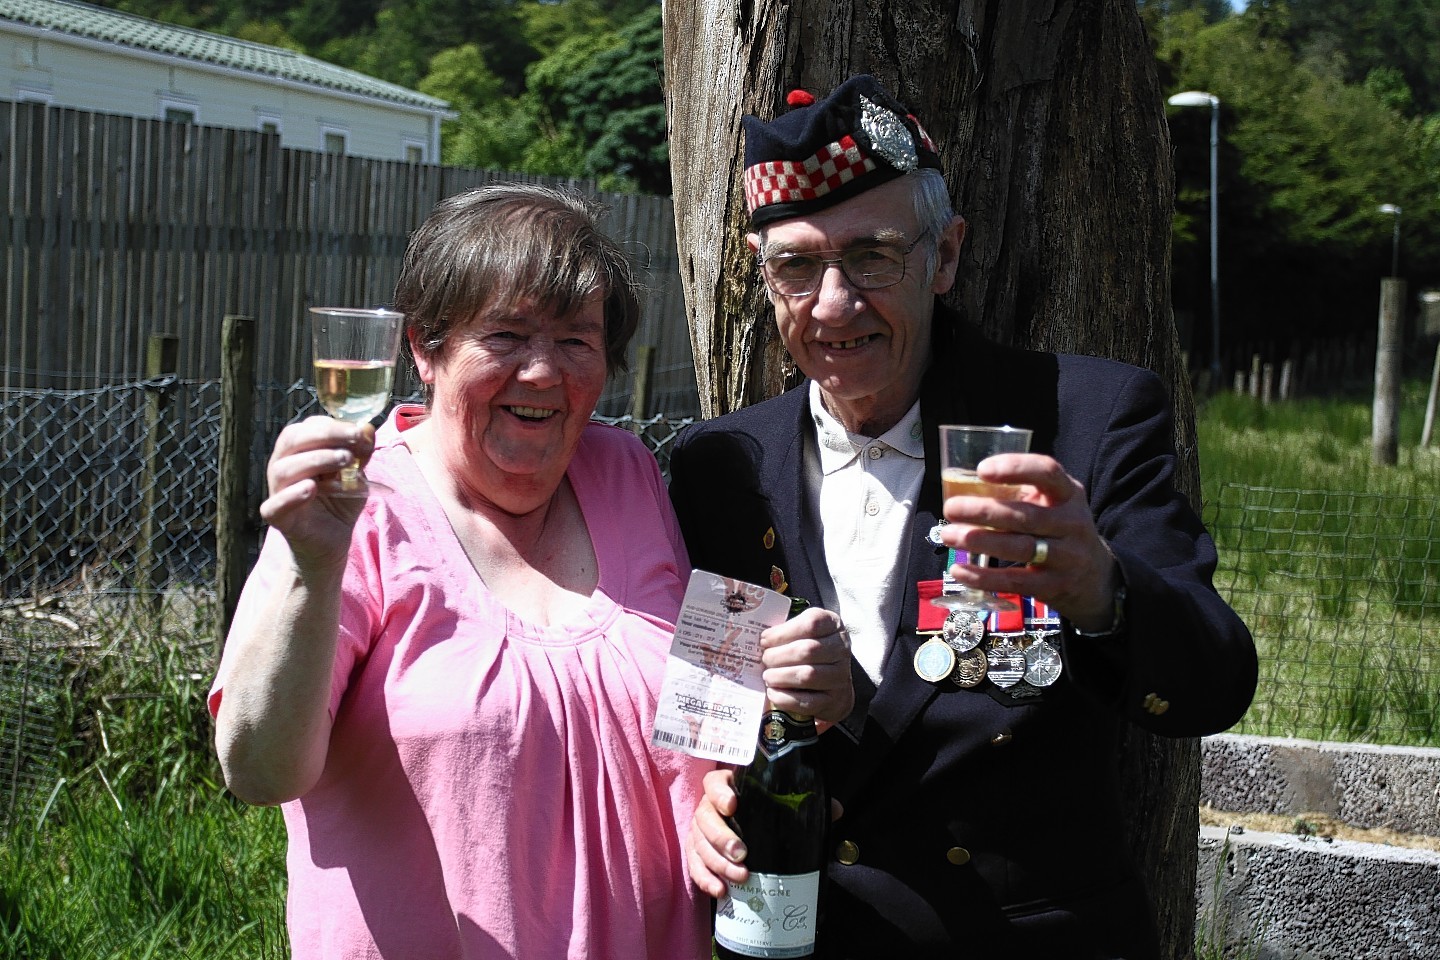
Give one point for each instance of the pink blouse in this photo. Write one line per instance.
(489, 790)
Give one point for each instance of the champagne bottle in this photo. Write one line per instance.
(781, 816)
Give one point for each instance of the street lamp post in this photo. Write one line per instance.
(1390, 208)
(1196, 98)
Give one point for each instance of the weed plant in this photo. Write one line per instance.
(1333, 560)
(136, 851)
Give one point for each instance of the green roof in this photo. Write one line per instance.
(127, 30)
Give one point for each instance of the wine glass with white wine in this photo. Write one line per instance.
(354, 355)
(962, 447)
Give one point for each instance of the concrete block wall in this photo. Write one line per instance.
(1278, 896)
(1284, 897)
(1397, 788)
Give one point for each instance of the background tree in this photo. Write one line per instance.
(1305, 160)
(1050, 122)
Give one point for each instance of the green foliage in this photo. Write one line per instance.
(593, 106)
(1305, 160)
(460, 76)
(136, 851)
(617, 104)
(1363, 35)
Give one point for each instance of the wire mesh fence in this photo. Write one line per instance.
(107, 500)
(1342, 592)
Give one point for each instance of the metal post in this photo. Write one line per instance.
(1215, 239)
(1395, 250)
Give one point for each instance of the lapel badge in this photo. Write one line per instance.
(769, 539)
(777, 580)
(934, 535)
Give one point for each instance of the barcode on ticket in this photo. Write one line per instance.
(694, 745)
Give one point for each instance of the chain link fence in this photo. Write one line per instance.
(1342, 592)
(107, 499)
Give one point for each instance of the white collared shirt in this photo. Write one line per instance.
(865, 488)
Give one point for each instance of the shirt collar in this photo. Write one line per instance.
(839, 447)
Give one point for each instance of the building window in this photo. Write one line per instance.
(268, 123)
(414, 152)
(179, 109)
(28, 94)
(334, 139)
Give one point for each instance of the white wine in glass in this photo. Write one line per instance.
(354, 355)
(962, 447)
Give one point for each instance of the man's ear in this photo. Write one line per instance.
(947, 255)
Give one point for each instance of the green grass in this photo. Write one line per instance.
(1333, 561)
(136, 851)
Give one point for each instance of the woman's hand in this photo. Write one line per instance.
(306, 458)
(715, 850)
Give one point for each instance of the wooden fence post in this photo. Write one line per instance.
(641, 386)
(161, 354)
(1385, 419)
(232, 498)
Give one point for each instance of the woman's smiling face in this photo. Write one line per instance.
(512, 391)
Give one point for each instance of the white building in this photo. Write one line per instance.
(76, 55)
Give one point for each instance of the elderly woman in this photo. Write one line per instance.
(450, 686)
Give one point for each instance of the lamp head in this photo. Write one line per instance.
(1194, 98)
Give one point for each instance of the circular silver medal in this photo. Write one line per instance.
(964, 629)
(1007, 663)
(1042, 663)
(934, 660)
(970, 668)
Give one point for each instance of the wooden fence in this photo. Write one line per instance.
(115, 228)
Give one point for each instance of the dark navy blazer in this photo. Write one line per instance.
(974, 825)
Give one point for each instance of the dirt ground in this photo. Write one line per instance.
(1315, 825)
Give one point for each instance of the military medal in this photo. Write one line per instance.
(970, 669)
(1007, 663)
(964, 629)
(935, 660)
(1006, 660)
(1043, 664)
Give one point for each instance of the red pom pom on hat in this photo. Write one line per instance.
(800, 98)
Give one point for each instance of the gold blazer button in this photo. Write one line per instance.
(847, 852)
(958, 856)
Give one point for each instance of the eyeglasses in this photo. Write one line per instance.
(867, 268)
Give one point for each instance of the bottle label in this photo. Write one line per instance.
(769, 915)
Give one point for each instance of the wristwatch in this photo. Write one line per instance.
(1117, 624)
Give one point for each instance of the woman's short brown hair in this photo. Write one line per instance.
(499, 246)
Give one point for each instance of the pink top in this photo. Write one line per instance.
(489, 789)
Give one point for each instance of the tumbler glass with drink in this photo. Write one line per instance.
(962, 447)
(354, 354)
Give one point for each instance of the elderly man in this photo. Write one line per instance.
(980, 815)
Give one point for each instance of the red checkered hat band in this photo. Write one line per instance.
(788, 181)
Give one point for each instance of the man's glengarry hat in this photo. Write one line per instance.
(824, 151)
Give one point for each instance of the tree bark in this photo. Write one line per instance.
(1050, 121)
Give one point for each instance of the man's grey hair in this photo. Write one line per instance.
(932, 209)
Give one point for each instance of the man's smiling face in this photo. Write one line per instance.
(867, 349)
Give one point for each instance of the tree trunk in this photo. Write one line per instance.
(1051, 126)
